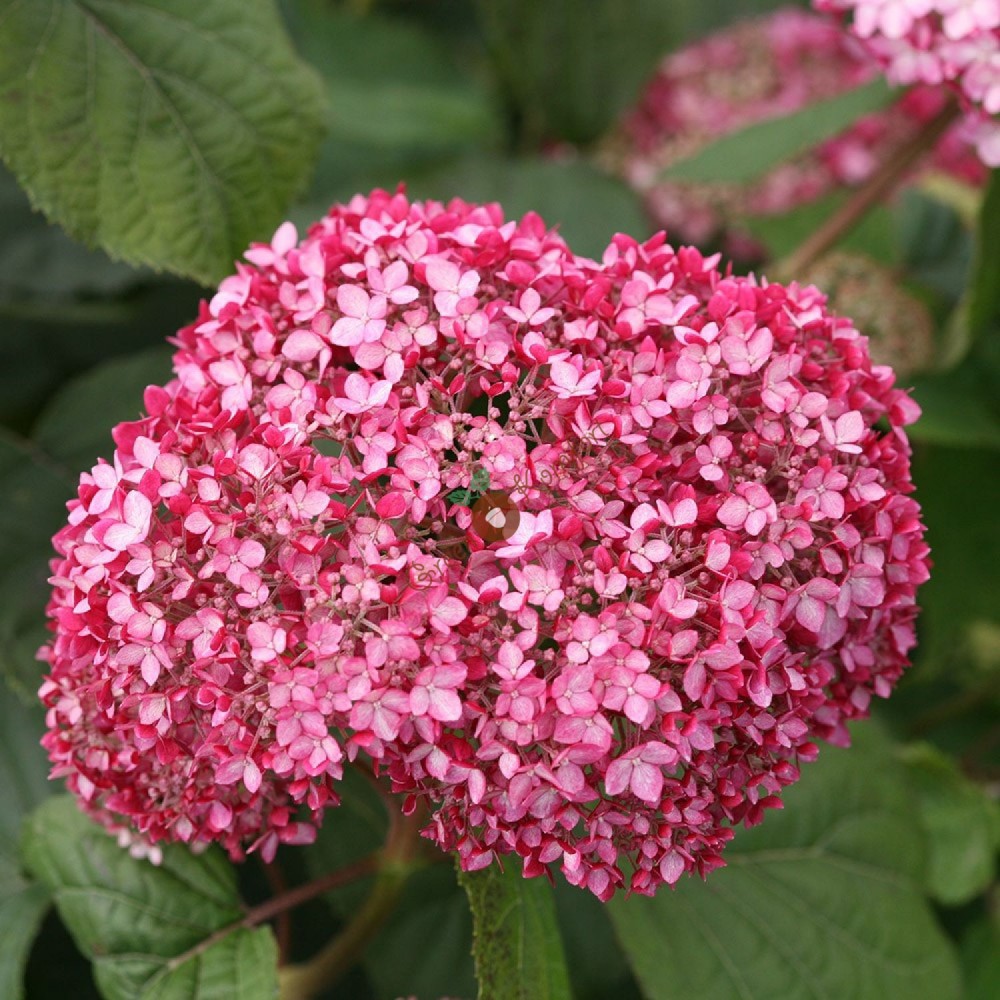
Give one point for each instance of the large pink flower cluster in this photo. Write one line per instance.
(757, 70)
(583, 555)
(956, 42)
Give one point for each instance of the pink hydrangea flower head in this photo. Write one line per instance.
(760, 69)
(934, 42)
(705, 559)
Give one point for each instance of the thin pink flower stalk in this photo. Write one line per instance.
(712, 562)
(757, 70)
(935, 42)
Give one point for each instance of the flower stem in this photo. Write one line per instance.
(394, 864)
(283, 924)
(278, 905)
(882, 183)
(303, 893)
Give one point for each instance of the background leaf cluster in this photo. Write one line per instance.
(165, 135)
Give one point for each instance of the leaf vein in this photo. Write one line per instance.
(725, 959)
(152, 84)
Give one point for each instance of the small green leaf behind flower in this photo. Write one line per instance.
(479, 483)
(743, 156)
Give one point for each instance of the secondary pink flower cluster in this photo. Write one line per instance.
(757, 70)
(716, 567)
(956, 42)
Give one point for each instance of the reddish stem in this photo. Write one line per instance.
(280, 904)
(888, 176)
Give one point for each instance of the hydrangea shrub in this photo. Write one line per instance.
(583, 555)
(955, 43)
(762, 69)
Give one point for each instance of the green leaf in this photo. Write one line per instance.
(389, 83)
(152, 931)
(962, 824)
(169, 132)
(959, 409)
(425, 948)
(39, 259)
(23, 784)
(567, 69)
(743, 156)
(75, 428)
(400, 103)
(782, 234)
(694, 18)
(981, 960)
(242, 964)
(588, 206)
(983, 316)
(64, 308)
(32, 507)
(22, 908)
(819, 901)
(934, 244)
(349, 833)
(34, 492)
(517, 947)
(956, 488)
(597, 967)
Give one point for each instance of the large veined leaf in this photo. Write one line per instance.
(170, 932)
(518, 951)
(820, 901)
(743, 156)
(169, 132)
